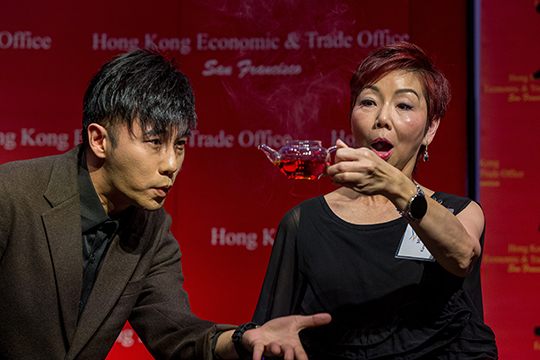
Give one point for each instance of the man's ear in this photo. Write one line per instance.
(98, 140)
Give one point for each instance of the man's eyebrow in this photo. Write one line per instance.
(184, 134)
(151, 132)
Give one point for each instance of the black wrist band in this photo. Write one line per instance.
(237, 340)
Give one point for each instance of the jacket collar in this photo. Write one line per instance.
(62, 224)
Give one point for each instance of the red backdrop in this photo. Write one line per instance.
(262, 72)
(510, 106)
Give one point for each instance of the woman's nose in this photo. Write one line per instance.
(384, 117)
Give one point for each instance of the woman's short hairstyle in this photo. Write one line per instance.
(409, 57)
(140, 85)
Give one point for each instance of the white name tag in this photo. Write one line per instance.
(411, 247)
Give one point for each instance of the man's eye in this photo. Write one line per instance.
(181, 143)
(155, 142)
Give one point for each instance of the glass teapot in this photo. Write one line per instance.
(300, 159)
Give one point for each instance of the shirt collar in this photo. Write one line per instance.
(92, 211)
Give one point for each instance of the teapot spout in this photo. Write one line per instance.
(272, 154)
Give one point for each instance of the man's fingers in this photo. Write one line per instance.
(279, 337)
(321, 319)
(288, 353)
(275, 349)
(300, 353)
(258, 350)
(314, 320)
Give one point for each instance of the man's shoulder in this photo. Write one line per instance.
(38, 171)
(39, 162)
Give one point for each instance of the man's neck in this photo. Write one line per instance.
(103, 189)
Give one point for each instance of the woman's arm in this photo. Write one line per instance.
(454, 241)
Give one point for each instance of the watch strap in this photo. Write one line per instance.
(417, 206)
(237, 340)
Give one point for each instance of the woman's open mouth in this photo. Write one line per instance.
(382, 147)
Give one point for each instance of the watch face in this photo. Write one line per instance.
(418, 207)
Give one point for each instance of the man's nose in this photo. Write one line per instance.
(170, 162)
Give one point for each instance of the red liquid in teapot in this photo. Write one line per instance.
(301, 169)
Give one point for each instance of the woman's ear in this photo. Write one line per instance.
(98, 139)
(431, 130)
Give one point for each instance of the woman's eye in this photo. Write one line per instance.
(404, 106)
(367, 102)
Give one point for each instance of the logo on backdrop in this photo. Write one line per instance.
(24, 40)
(128, 338)
(105, 42)
(204, 42)
(222, 237)
(32, 137)
(254, 138)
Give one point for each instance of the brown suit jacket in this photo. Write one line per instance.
(41, 274)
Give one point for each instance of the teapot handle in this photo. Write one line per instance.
(330, 150)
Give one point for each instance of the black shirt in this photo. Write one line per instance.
(382, 306)
(97, 229)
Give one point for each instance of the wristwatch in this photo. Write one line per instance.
(417, 207)
(237, 339)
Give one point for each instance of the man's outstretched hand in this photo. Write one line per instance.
(279, 337)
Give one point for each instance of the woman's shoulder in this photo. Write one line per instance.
(452, 202)
(314, 204)
(292, 217)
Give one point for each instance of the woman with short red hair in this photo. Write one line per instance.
(396, 264)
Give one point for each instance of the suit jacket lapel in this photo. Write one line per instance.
(117, 269)
(63, 229)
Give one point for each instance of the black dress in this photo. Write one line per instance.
(382, 307)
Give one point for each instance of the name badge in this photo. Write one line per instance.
(412, 248)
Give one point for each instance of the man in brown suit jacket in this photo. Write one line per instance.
(85, 243)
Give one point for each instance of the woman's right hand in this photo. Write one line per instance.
(363, 171)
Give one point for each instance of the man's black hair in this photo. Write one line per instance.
(140, 84)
